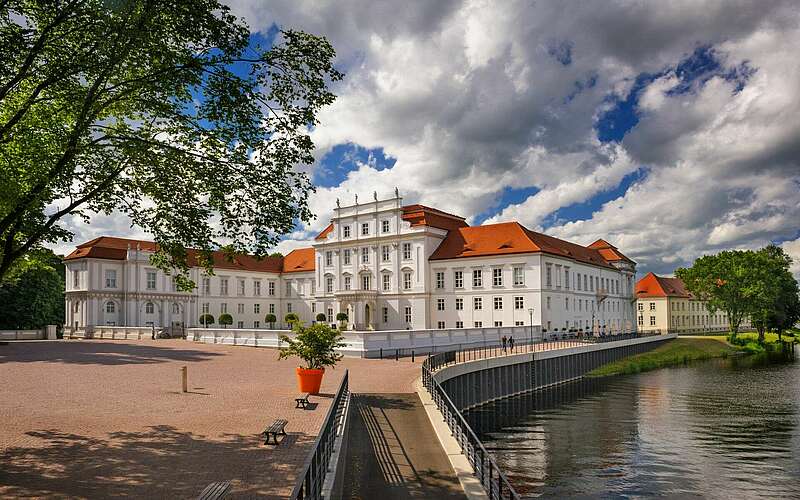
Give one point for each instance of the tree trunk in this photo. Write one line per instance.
(760, 334)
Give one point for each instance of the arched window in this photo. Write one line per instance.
(149, 308)
(110, 307)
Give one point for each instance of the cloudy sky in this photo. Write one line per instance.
(669, 128)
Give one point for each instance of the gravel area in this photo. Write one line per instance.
(91, 419)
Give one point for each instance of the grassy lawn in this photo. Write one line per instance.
(675, 352)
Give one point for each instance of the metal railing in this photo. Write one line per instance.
(312, 477)
(493, 480)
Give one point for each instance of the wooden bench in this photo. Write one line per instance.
(302, 402)
(275, 429)
(215, 490)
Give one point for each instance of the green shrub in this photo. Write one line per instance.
(291, 318)
(206, 319)
(225, 319)
(271, 319)
(316, 345)
(321, 318)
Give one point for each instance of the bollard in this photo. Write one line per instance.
(396, 355)
(412, 355)
(185, 379)
(381, 352)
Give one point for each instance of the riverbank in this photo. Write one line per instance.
(675, 352)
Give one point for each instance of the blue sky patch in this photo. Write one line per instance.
(345, 158)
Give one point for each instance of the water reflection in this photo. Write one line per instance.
(724, 428)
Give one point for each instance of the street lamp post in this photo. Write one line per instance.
(530, 340)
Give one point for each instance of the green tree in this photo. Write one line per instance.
(206, 319)
(341, 317)
(321, 317)
(161, 110)
(32, 293)
(777, 303)
(316, 345)
(225, 319)
(291, 318)
(724, 281)
(271, 319)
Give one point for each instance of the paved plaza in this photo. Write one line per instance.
(94, 419)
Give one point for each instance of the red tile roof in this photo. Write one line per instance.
(420, 215)
(652, 285)
(108, 247)
(511, 238)
(299, 260)
(609, 251)
(325, 232)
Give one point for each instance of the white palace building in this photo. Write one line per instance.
(386, 265)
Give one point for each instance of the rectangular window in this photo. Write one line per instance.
(240, 309)
(591, 283)
(519, 276)
(406, 280)
(272, 308)
(365, 255)
(498, 303)
(151, 280)
(240, 324)
(223, 286)
(76, 279)
(477, 278)
(111, 278)
(271, 287)
(441, 325)
(584, 283)
(385, 253)
(385, 314)
(652, 321)
(549, 276)
(440, 304)
(459, 304)
(347, 256)
(406, 251)
(223, 308)
(313, 307)
(497, 277)
(206, 307)
(346, 231)
(578, 281)
(366, 282)
(256, 324)
(652, 306)
(241, 287)
(440, 279)
(566, 303)
(566, 278)
(384, 226)
(206, 286)
(329, 315)
(498, 323)
(328, 258)
(288, 288)
(477, 303)
(256, 308)
(408, 314)
(328, 285)
(519, 323)
(459, 324)
(519, 303)
(548, 303)
(257, 288)
(347, 282)
(640, 306)
(387, 284)
(365, 229)
(478, 324)
(289, 307)
(640, 321)
(458, 279)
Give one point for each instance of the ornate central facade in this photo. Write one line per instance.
(388, 266)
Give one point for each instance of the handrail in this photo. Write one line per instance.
(495, 483)
(312, 477)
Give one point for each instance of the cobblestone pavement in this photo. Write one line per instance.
(92, 419)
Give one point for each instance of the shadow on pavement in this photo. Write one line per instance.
(102, 353)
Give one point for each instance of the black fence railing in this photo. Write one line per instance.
(493, 480)
(312, 478)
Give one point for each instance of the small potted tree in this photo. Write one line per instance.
(225, 320)
(271, 319)
(342, 319)
(316, 346)
(291, 319)
(321, 318)
(206, 319)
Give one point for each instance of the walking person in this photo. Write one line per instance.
(504, 342)
(511, 342)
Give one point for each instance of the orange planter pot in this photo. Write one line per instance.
(309, 380)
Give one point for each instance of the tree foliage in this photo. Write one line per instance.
(745, 283)
(291, 318)
(32, 293)
(316, 345)
(161, 110)
(206, 319)
(271, 319)
(321, 317)
(225, 319)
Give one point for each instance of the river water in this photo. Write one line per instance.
(717, 429)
